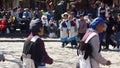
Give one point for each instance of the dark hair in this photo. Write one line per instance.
(35, 26)
(119, 14)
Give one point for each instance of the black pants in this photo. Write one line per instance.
(73, 42)
(109, 40)
(64, 43)
(81, 35)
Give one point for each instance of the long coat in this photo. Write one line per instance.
(96, 58)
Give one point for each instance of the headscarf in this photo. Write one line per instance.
(35, 25)
(95, 22)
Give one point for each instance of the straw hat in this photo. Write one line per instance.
(63, 15)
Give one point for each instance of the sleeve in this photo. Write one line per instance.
(60, 25)
(68, 24)
(99, 11)
(47, 59)
(77, 23)
(95, 47)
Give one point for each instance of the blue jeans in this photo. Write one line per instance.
(118, 39)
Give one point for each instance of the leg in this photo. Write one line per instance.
(107, 40)
(118, 39)
(73, 42)
(63, 44)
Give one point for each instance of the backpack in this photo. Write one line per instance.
(26, 57)
(84, 46)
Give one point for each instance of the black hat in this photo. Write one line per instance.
(35, 25)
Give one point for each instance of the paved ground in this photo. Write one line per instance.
(63, 57)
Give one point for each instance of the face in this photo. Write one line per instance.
(119, 17)
(109, 15)
(65, 16)
(44, 18)
(82, 18)
(41, 31)
(71, 16)
(102, 4)
(100, 27)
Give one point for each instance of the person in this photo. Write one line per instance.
(82, 26)
(46, 25)
(2, 57)
(49, 14)
(24, 25)
(36, 13)
(96, 27)
(90, 17)
(59, 10)
(102, 10)
(118, 33)
(52, 28)
(73, 29)
(26, 13)
(37, 51)
(15, 13)
(3, 24)
(110, 30)
(64, 29)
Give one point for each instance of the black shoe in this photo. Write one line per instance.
(105, 49)
(63, 46)
(114, 46)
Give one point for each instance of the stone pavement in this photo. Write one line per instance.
(23, 39)
(63, 57)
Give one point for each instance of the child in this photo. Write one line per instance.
(64, 29)
(73, 29)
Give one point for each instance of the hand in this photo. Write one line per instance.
(108, 63)
(113, 28)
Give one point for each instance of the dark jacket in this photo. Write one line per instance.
(38, 52)
(117, 26)
(110, 24)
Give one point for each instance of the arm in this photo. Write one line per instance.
(95, 47)
(47, 59)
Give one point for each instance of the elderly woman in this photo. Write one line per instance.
(96, 26)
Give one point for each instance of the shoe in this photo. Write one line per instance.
(71, 46)
(114, 46)
(116, 49)
(105, 49)
(63, 45)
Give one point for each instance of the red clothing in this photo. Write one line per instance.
(47, 59)
(3, 24)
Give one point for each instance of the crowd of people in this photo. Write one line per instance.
(67, 24)
(72, 26)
